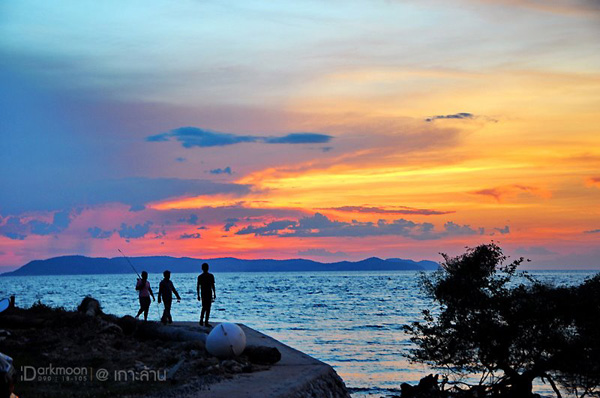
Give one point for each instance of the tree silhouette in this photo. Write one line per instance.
(508, 328)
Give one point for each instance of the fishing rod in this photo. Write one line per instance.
(127, 258)
(134, 270)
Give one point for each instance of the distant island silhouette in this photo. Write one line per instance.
(82, 265)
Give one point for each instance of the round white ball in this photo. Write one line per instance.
(226, 340)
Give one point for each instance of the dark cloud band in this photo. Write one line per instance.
(460, 115)
(321, 226)
(196, 137)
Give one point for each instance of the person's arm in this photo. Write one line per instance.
(214, 289)
(138, 285)
(160, 292)
(175, 291)
(198, 288)
(150, 290)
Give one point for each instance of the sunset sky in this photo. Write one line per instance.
(328, 130)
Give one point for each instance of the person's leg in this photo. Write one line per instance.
(207, 316)
(206, 304)
(167, 314)
(163, 319)
(146, 307)
(202, 315)
(141, 308)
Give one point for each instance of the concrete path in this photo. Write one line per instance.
(297, 375)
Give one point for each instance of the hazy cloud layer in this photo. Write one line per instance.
(135, 192)
(18, 228)
(590, 8)
(60, 222)
(135, 231)
(321, 226)
(99, 233)
(503, 231)
(190, 236)
(231, 222)
(592, 231)
(226, 170)
(533, 251)
(594, 181)
(191, 137)
(12, 228)
(191, 220)
(318, 252)
(380, 210)
(509, 191)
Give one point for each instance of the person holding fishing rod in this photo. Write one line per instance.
(143, 286)
(145, 292)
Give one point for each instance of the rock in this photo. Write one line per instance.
(429, 384)
(174, 369)
(21, 322)
(428, 387)
(140, 365)
(229, 363)
(407, 391)
(127, 324)
(150, 330)
(90, 306)
(111, 328)
(262, 355)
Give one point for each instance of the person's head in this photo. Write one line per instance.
(144, 275)
(167, 274)
(205, 267)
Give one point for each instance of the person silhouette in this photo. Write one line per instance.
(206, 289)
(145, 292)
(165, 293)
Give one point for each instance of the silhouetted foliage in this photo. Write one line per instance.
(508, 328)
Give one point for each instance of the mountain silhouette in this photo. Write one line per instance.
(82, 265)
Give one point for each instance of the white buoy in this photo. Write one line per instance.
(226, 340)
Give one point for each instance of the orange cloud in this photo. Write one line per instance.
(382, 210)
(512, 191)
(593, 182)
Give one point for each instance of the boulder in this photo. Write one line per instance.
(90, 306)
(262, 355)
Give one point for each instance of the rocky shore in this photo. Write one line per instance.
(87, 353)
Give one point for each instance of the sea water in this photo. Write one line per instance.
(350, 320)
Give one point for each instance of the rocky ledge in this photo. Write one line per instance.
(150, 360)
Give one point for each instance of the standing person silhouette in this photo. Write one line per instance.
(165, 293)
(206, 289)
(145, 292)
